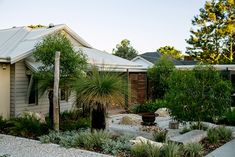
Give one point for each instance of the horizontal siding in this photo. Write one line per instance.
(21, 85)
(12, 91)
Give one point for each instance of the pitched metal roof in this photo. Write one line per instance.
(18, 43)
(154, 57)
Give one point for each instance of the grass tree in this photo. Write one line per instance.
(72, 64)
(98, 91)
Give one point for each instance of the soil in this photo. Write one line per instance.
(208, 147)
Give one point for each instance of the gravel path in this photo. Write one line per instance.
(21, 147)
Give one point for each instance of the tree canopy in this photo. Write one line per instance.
(72, 63)
(125, 50)
(170, 51)
(212, 39)
(159, 75)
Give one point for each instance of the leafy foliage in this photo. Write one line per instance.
(99, 90)
(27, 126)
(148, 106)
(193, 150)
(125, 50)
(159, 75)
(212, 39)
(170, 51)
(73, 120)
(198, 94)
(160, 136)
(172, 150)
(145, 150)
(72, 63)
(224, 133)
(116, 146)
(213, 136)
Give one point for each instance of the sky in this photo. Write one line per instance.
(148, 24)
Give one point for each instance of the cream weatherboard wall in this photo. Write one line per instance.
(19, 86)
(5, 90)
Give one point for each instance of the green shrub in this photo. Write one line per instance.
(199, 126)
(145, 150)
(98, 137)
(171, 150)
(224, 133)
(198, 94)
(118, 145)
(148, 106)
(73, 120)
(27, 126)
(228, 118)
(160, 136)
(213, 135)
(193, 150)
(4, 125)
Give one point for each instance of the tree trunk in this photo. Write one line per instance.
(56, 92)
(51, 116)
(98, 118)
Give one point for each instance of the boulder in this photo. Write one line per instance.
(127, 120)
(162, 112)
(140, 139)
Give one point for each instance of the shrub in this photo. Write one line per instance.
(171, 150)
(228, 118)
(158, 76)
(118, 145)
(148, 106)
(224, 133)
(160, 136)
(200, 126)
(98, 137)
(3, 125)
(27, 126)
(198, 94)
(73, 120)
(145, 150)
(213, 135)
(193, 150)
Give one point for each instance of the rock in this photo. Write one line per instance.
(172, 133)
(162, 112)
(141, 139)
(36, 115)
(126, 120)
(193, 136)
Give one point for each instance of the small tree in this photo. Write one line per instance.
(198, 94)
(98, 91)
(72, 64)
(159, 75)
(125, 50)
(170, 51)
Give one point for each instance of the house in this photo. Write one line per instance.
(17, 92)
(148, 59)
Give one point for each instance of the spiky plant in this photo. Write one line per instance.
(98, 91)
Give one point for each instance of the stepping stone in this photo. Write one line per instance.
(227, 150)
(193, 136)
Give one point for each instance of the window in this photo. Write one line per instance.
(64, 94)
(32, 93)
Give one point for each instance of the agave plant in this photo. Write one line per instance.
(98, 91)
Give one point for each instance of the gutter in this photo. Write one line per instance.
(5, 59)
